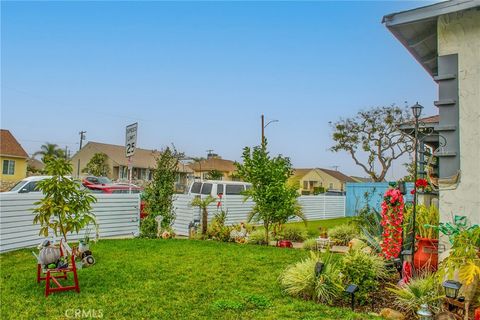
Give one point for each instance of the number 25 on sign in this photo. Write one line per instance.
(131, 139)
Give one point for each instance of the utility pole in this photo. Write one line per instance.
(66, 152)
(82, 137)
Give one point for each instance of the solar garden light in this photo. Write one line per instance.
(318, 268)
(451, 288)
(424, 313)
(351, 289)
(397, 263)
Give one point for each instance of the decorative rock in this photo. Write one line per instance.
(391, 314)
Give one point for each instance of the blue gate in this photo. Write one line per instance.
(357, 198)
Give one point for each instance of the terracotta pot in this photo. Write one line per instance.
(426, 255)
(284, 244)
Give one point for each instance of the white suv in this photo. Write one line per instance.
(27, 185)
(216, 187)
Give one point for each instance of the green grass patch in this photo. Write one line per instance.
(165, 279)
(313, 227)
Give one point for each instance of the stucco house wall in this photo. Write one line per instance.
(459, 33)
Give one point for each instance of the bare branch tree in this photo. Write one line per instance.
(375, 132)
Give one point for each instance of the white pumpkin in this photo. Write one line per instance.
(49, 255)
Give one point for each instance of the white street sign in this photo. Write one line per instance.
(131, 139)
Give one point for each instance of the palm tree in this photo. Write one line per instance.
(49, 150)
(203, 205)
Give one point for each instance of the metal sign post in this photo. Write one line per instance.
(130, 145)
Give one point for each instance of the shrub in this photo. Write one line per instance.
(299, 280)
(420, 290)
(363, 269)
(148, 227)
(310, 244)
(217, 229)
(257, 237)
(342, 234)
(292, 233)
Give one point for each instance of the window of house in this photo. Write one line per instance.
(331, 186)
(8, 167)
(305, 184)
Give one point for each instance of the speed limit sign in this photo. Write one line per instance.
(131, 139)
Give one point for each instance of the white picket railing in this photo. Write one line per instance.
(314, 208)
(118, 215)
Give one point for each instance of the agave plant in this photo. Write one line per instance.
(424, 289)
(300, 280)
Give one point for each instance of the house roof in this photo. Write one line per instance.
(338, 175)
(416, 29)
(361, 179)
(143, 158)
(214, 163)
(300, 173)
(35, 163)
(9, 146)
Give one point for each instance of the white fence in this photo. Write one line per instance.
(118, 215)
(314, 208)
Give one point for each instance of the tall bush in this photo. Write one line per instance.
(160, 191)
(275, 200)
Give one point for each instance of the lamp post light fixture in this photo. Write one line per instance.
(417, 112)
(263, 128)
(351, 289)
(452, 288)
(424, 313)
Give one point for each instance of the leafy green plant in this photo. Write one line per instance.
(159, 192)
(148, 227)
(363, 269)
(342, 234)
(98, 165)
(257, 237)
(424, 289)
(300, 280)
(214, 175)
(292, 233)
(203, 205)
(425, 217)
(275, 200)
(65, 208)
(310, 244)
(217, 229)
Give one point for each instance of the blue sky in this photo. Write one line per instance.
(200, 74)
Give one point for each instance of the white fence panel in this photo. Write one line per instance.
(118, 215)
(184, 214)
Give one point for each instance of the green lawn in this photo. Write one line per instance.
(313, 226)
(165, 279)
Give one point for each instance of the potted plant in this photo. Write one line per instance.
(426, 254)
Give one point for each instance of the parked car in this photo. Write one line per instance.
(216, 187)
(92, 180)
(335, 193)
(114, 188)
(26, 185)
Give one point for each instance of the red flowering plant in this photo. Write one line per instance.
(392, 219)
(421, 185)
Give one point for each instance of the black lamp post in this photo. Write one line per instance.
(318, 268)
(452, 288)
(351, 289)
(417, 112)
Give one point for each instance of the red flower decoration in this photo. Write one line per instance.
(392, 218)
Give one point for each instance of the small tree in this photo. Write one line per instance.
(376, 133)
(275, 200)
(203, 205)
(159, 192)
(98, 165)
(65, 208)
(214, 175)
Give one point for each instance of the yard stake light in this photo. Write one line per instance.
(318, 268)
(424, 313)
(451, 288)
(397, 262)
(351, 289)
